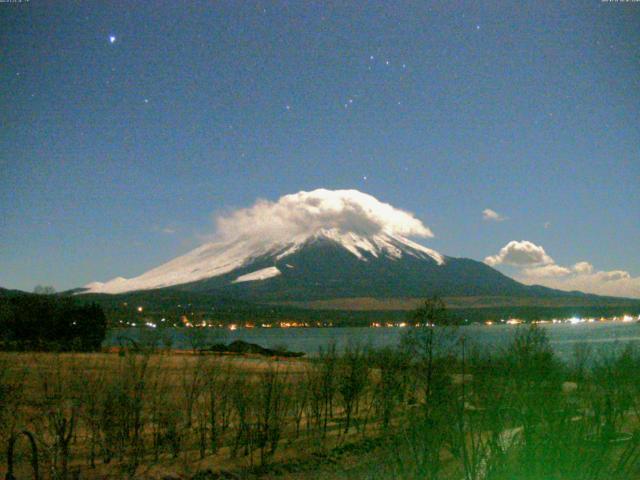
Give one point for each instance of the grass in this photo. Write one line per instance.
(435, 408)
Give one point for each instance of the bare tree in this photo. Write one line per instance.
(353, 374)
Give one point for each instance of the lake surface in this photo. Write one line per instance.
(602, 338)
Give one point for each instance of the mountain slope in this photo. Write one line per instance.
(235, 261)
(325, 266)
(323, 245)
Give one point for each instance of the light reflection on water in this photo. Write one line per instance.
(602, 337)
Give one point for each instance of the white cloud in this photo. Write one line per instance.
(492, 215)
(615, 283)
(536, 267)
(551, 270)
(305, 213)
(583, 268)
(520, 254)
(613, 275)
(167, 230)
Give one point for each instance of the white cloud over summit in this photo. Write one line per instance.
(535, 266)
(305, 213)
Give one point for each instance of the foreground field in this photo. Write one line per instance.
(419, 411)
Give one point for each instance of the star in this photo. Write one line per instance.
(146, 100)
(477, 27)
(364, 177)
(288, 107)
(112, 39)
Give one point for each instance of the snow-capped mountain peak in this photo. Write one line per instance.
(393, 246)
(354, 221)
(219, 258)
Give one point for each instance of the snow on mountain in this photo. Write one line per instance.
(209, 260)
(356, 221)
(261, 274)
(381, 244)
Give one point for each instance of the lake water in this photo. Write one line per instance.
(601, 337)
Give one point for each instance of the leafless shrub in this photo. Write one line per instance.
(13, 440)
(122, 415)
(12, 381)
(241, 395)
(272, 405)
(299, 392)
(60, 408)
(390, 383)
(352, 378)
(91, 384)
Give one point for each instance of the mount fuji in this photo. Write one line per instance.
(321, 245)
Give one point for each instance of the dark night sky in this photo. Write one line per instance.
(115, 153)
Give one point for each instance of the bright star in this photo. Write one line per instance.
(112, 39)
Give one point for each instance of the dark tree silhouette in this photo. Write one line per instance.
(50, 322)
